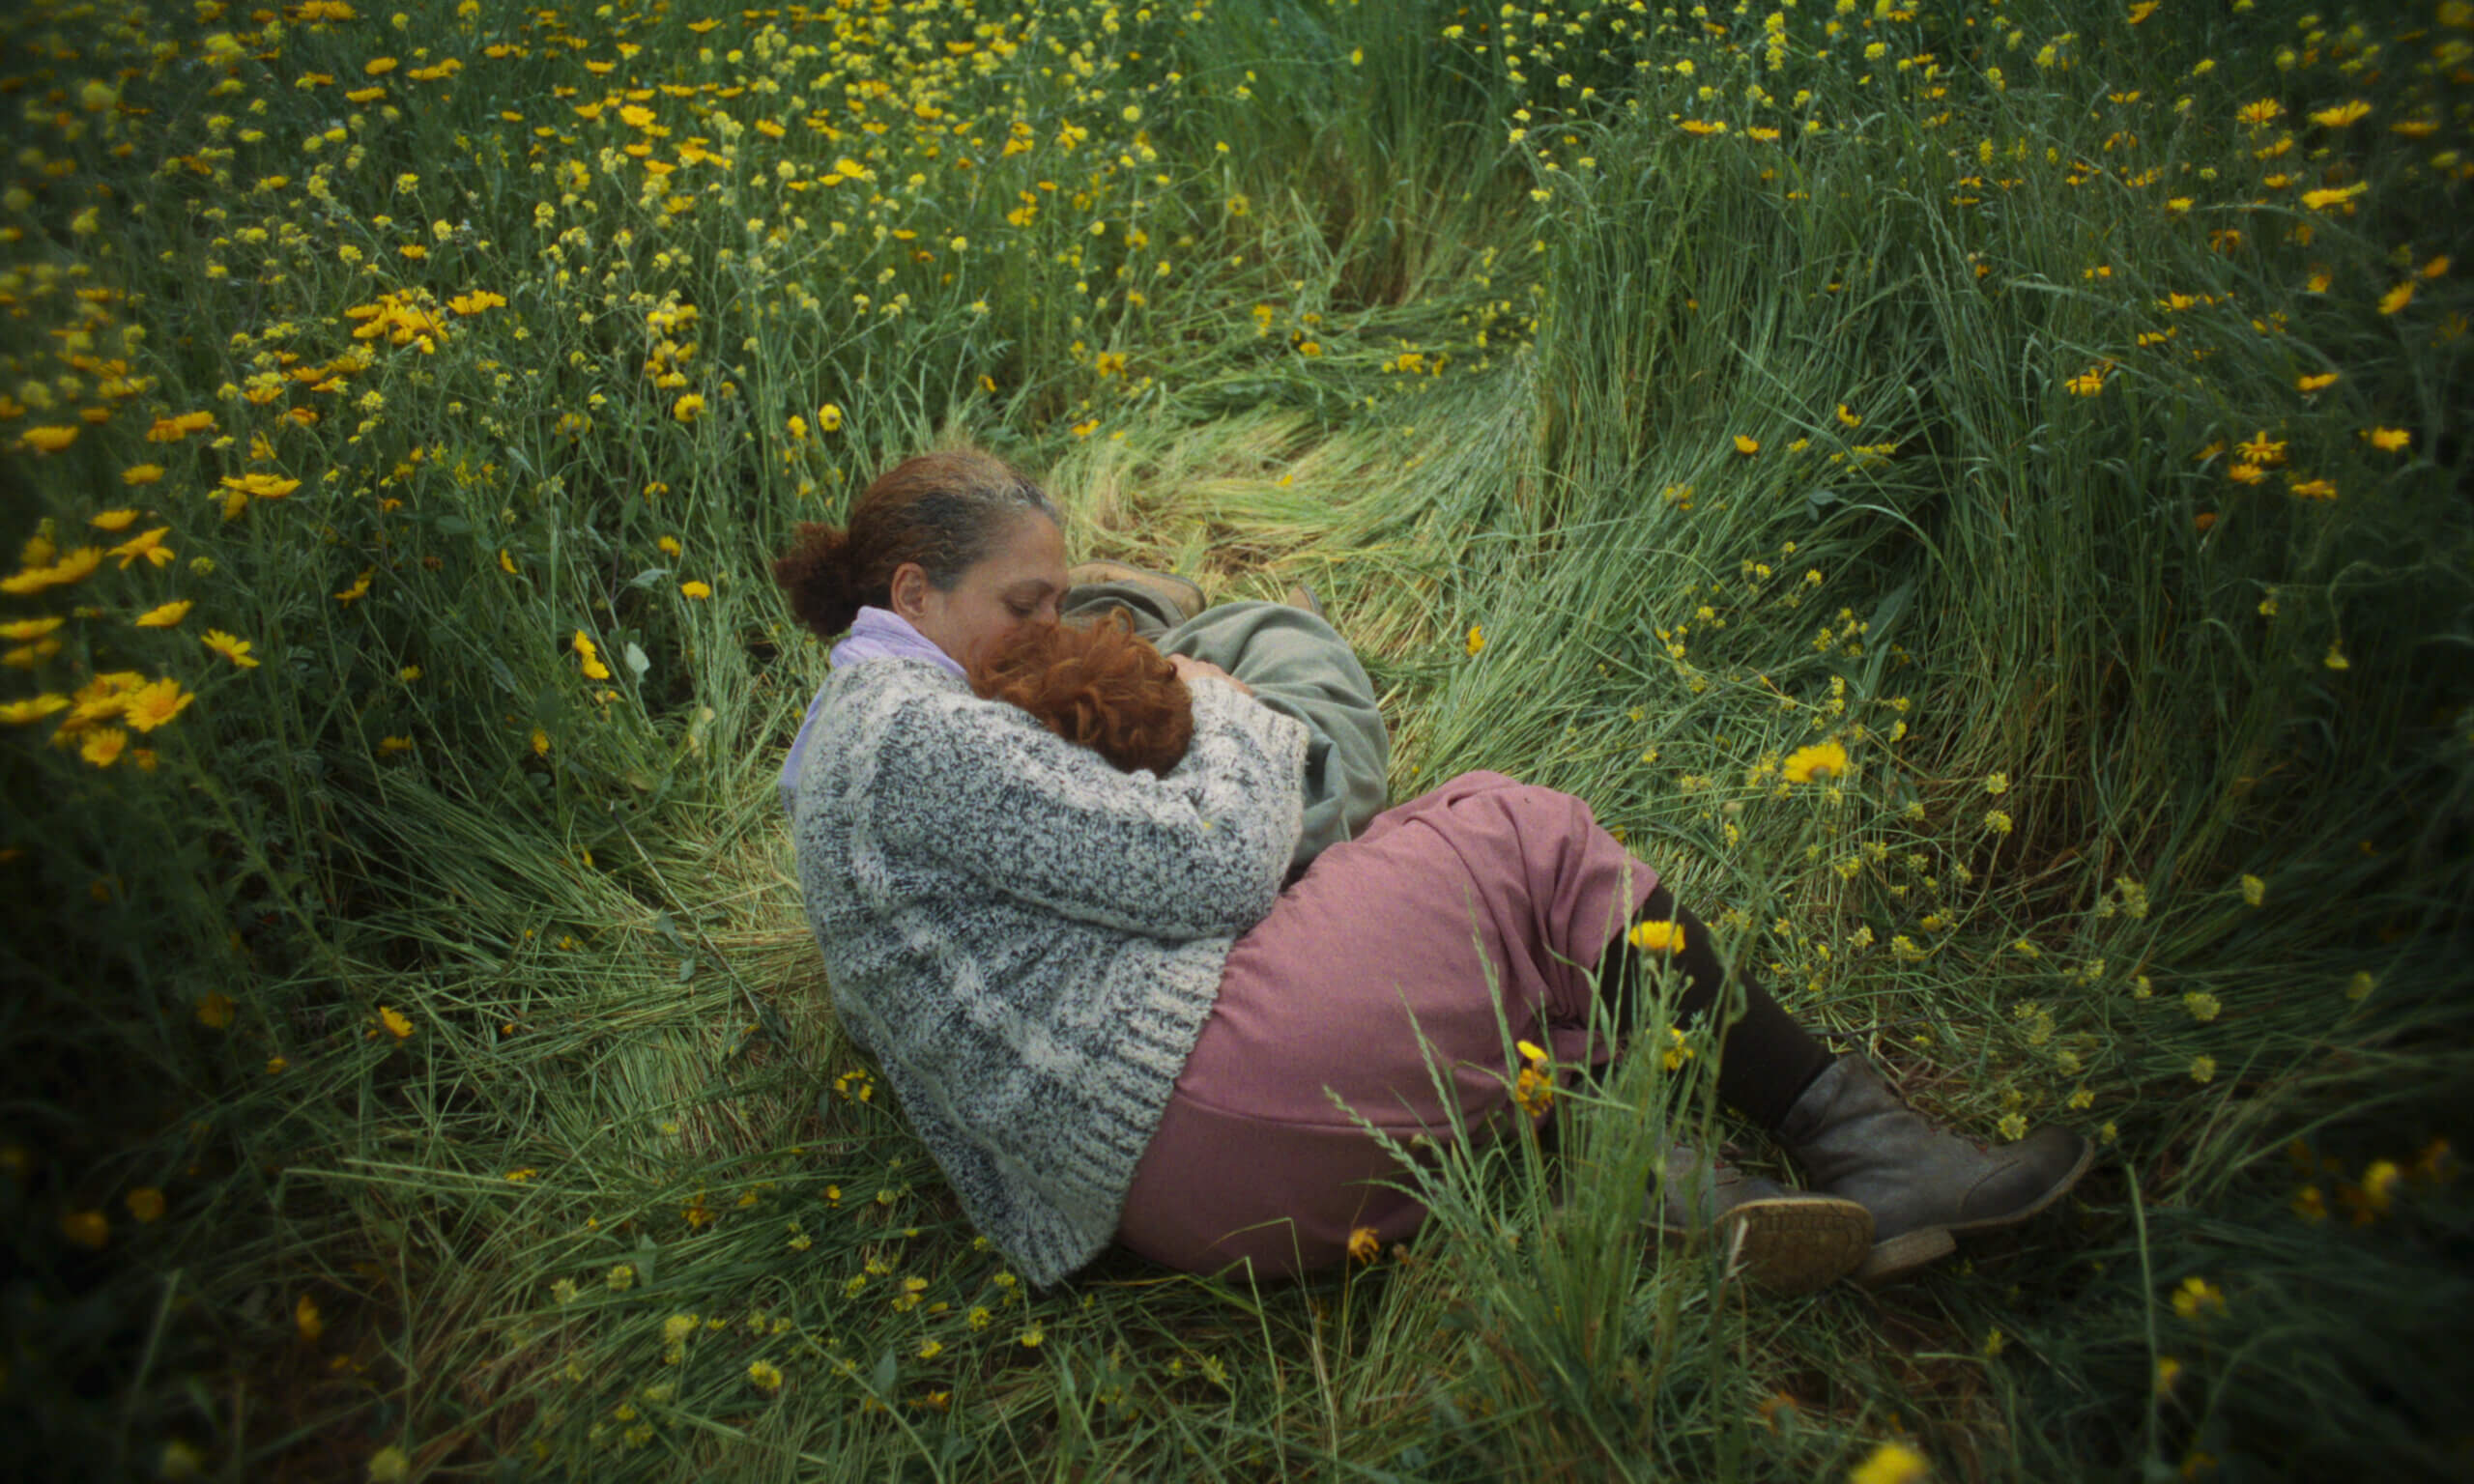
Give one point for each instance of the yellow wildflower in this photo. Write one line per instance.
(74, 567)
(261, 486)
(152, 705)
(1656, 937)
(589, 657)
(166, 615)
(171, 430)
(2379, 1184)
(1822, 759)
(147, 545)
(2195, 1296)
(1677, 1052)
(232, 648)
(1534, 1088)
(1891, 1463)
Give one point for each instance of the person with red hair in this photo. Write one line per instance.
(1096, 685)
(1149, 1005)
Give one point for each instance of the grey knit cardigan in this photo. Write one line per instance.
(1027, 939)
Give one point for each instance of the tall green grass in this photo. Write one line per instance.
(419, 1057)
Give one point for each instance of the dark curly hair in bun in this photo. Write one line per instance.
(945, 511)
(1098, 685)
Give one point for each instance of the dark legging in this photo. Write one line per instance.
(1766, 1059)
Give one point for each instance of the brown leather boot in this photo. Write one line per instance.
(1303, 596)
(1858, 1139)
(1183, 597)
(1785, 1242)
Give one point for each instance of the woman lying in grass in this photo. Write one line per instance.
(1114, 1003)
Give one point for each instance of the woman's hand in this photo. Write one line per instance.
(1188, 667)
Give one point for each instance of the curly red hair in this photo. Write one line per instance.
(1099, 685)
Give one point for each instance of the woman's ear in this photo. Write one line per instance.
(909, 591)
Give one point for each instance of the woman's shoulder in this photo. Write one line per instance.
(903, 700)
(882, 686)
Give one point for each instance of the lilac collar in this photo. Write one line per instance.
(877, 634)
(881, 634)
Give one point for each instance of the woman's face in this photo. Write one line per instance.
(1023, 581)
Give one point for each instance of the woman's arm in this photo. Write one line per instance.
(1202, 852)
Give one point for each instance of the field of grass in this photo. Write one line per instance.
(419, 1065)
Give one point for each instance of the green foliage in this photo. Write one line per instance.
(419, 1044)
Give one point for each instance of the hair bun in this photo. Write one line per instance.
(816, 575)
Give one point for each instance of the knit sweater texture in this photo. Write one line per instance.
(1029, 940)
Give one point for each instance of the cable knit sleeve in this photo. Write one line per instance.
(1198, 854)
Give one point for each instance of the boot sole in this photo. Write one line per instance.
(1792, 1244)
(1903, 1254)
